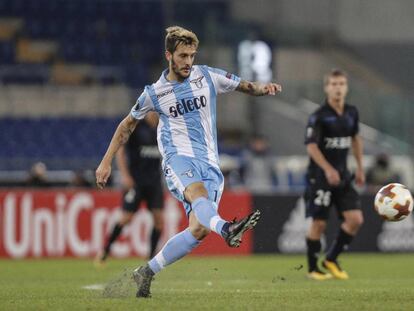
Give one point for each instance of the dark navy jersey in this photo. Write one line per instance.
(144, 159)
(333, 134)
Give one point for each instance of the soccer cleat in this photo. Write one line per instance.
(237, 228)
(335, 270)
(143, 277)
(318, 275)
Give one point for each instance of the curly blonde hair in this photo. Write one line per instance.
(177, 35)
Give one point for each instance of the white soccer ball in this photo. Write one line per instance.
(394, 202)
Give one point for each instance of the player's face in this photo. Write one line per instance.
(181, 61)
(336, 88)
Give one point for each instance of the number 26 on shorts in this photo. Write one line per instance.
(323, 198)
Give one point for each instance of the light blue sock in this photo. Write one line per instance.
(177, 247)
(207, 215)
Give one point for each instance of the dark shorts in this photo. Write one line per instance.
(320, 198)
(152, 194)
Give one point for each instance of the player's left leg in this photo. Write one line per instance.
(349, 206)
(353, 220)
(176, 247)
(204, 208)
(206, 213)
(201, 187)
(205, 197)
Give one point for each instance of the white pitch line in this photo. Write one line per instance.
(94, 287)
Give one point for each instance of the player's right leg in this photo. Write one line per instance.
(176, 247)
(313, 243)
(179, 173)
(318, 209)
(130, 202)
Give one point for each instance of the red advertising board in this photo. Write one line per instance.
(60, 223)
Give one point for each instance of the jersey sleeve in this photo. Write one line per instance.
(313, 130)
(223, 81)
(142, 106)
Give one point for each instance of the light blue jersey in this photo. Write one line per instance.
(187, 135)
(187, 110)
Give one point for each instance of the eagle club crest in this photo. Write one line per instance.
(188, 173)
(198, 82)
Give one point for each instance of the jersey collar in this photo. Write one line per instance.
(333, 110)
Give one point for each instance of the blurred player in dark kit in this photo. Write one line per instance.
(331, 131)
(139, 162)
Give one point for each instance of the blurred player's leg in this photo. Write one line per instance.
(341, 242)
(353, 220)
(115, 233)
(313, 243)
(131, 200)
(154, 196)
(156, 230)
(314, 248)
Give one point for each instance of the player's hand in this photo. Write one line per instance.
(272, 89)
(332, 176)
(102, 174)
(360, 177)
(127, 182)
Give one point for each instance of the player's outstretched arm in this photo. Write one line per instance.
(259, 89)
(121, 136)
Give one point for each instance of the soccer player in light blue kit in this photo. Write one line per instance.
(185, 99)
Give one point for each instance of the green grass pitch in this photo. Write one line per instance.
(378, 282)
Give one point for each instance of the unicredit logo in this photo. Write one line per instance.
(188, 105)
(73, 223)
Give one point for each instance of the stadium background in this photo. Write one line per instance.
(71, 69)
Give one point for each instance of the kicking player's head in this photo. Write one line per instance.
(336, 85)
(180, 49)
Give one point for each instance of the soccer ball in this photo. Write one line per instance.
(394, 202)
